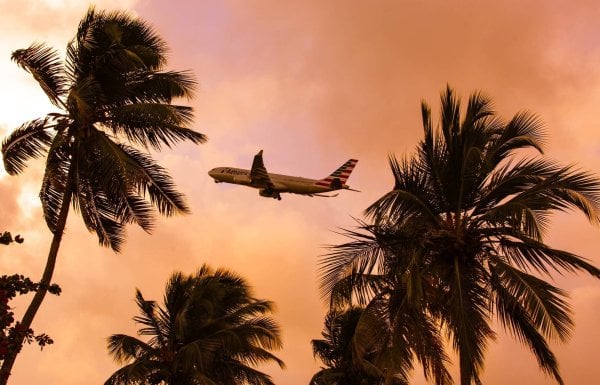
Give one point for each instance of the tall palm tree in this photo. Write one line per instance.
(112, 90)
(463, 228)
(209, 330)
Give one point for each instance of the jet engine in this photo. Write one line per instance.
(269, 194)
(241, 179)
(336, 184)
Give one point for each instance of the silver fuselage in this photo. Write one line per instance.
(281, 183)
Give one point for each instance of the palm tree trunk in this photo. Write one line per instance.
(43, 285)
(465, 373)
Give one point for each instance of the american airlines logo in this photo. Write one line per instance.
(234, 172)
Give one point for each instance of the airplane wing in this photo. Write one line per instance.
(316, 195)
(258, 173)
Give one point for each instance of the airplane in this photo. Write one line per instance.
(272, 185)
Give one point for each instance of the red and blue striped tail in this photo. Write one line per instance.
(339, 177)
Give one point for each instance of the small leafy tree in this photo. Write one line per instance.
(14, 334)
(6, 238)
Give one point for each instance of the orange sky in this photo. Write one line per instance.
(312, 83)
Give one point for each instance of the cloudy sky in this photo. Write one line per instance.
(312, 83)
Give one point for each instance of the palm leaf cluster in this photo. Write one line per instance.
(111, 90)
(209, 330)
(458, 243)
(349, 351)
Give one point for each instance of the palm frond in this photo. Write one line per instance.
(515, 317)
(572, 189)
(56, 181)
(261, 331)
(159, 87)
(46, 67)
(124, 348)
(383, 340)
(29, 141)
(237, 371)
(327, 376)
(449, 115)
(527, 251)
(153, 181)
(75, 67)
(403, 329)
(115, 172)
(467, 320)
(254, 355)
(479, 108)
(137, 37)
(544, 305)
(85, 100)
(564, 189)
(525, 195)
(524, 130)
(85, 36)
(135, 373)
(409, 197)
(110, 44)
(430, 158)
(520, 217)
(97, 211)
(153, 124)
(151, 325)
(358, 257)
(505, 195)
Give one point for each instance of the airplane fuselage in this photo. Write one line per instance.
(281, 183)
(271, 185)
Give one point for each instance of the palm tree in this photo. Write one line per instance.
(209, 330)
(396, 326)
(463, 229)
(350, 350)
(337, 352)
(111, 90)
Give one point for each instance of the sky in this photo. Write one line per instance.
(312, 83)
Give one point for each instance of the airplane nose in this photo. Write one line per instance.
(213, 174)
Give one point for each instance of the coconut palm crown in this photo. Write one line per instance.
(462, 233)
(209, 330)
(351, 350)
(111, 90)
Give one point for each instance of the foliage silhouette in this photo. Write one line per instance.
(462, 232)
(350, 350)
(112, 90)
(6, 238)
(209, 330)
(12, 334)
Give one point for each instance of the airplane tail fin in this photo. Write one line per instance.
(338, 178)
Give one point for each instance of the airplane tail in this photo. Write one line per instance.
(338, 178)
